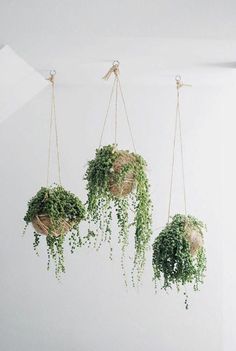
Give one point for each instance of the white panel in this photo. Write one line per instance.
(19, 82)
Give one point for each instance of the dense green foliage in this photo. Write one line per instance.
(172, 258)
(60, 205)
(101, 202)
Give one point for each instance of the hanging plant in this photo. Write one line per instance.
(117, 179)
(54, 211)
(178, 253)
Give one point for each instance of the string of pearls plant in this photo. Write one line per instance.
(178, 254)
(117, 179)
(55, 212)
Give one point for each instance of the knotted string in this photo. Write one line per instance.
(53, 119)
(116, 88)
(178, 127)
(114, 69)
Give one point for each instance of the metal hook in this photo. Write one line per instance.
(178, 78)
(179, 82)
(116, 63)
(53, 72)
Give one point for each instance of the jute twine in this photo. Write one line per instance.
(193, 235)
(42, 223)
(53, 120)
(178, 127)
(116, 91)
(124, 187)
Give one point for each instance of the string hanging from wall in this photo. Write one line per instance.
(115, 91)
(54, 211)
(178, 252)
(116, 179)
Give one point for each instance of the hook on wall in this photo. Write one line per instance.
(52, 74)
(179, 82)
(116, 63)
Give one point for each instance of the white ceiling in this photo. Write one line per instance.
(154, 40)
(60, 21)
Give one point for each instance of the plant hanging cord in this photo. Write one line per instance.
(53, 118)
(107, 112)
(116, 109)
(117, 88)
(178, 125)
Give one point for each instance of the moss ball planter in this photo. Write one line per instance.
(123, 163)
(43, 224)
(117, 180)
(55, 213)
(178, 253)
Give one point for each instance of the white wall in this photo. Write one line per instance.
(154, 40)
(91, 309)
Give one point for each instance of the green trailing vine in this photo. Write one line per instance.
(100, 176)
(63, 212)
(173, 259)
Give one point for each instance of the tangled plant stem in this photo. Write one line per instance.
(100, 174)
(172, 260)
(60, 206)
